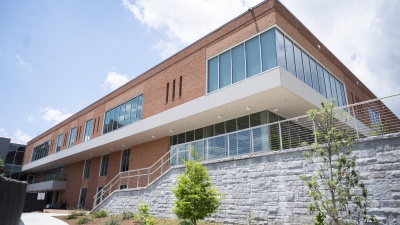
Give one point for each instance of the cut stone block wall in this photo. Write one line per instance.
(266, 187)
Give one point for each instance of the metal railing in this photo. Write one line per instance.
(48, 177)
(364, 119)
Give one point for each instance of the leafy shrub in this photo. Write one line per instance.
(83, 220)
(127, 215)
(144, 216)
(112, 221)
(195, 196)
(70, 217)
(100, 214)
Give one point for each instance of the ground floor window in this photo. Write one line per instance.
(82, 198)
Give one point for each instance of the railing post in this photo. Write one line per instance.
(162, 164)
(119, 182)
(315, 135)
(355, 122)
(148, 176)
(280, 136)
(127, 182)
(138, 177)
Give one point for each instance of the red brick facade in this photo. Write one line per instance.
(190, 64)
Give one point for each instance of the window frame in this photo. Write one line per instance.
(103, 170)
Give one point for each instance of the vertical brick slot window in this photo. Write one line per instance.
(94, 126)
(98, 123)
(173, 90)
(180, 86)
(167, 93)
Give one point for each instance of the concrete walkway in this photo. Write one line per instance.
(43, 218)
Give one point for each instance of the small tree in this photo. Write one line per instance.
(335, 188)
(195, 196)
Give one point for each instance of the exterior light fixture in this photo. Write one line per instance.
(219, 116)
(153, 136)
(275, 109)
(171, 131)
(123, 145)
(248, 108)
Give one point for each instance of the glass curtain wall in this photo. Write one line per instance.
(266, 51)
(124, 114)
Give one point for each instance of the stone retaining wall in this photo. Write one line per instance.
(266, 188)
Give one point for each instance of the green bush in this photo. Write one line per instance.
(195, 196)
(83, 220)
(112, 221)
(127, 215)
(144, 216)
(100, 214)
(70, 217)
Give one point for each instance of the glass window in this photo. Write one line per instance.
(238, 68)
(116, 118)
(306, 67)
(104, 165)
(88, 128)
(340, 99)
(86, 169)
(128, 107)
(333, 88)
(173, 140)
(181, 138)
(220, 128)
(280, 49)
(198, 134)
(133, 111)
(299, 63)
(225, 69)
(125, 160)
(322, 89)
(82, 198)
(59, 140)
(139, 107)
(343, 94)
(230, 126)
(190, 136)
(106, 122)
(40, 151)
(209, 131)
(327, 85)
(123, 114)
(253, 65)
(259, 118)
(374, 117)
(212, 74)
(290, 56)
(268, 50)
(71, 137)
(314, 74)
(243, 122)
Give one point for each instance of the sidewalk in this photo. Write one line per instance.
(43, 218)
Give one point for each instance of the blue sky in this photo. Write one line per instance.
(57, 57)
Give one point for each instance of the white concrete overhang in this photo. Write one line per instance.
(274, 89)
(51, 185)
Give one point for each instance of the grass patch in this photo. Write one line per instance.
(100, 214)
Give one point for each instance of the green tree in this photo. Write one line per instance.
(338, 195)
(195, 196)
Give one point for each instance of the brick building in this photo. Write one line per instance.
(260, 67)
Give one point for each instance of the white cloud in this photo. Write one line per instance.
(54, 115)
(25, 65)
(114, 80)
(362, 34)
(21, 137)
(185, 21)
(3, 133)
(18, 137)
(31, 118)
